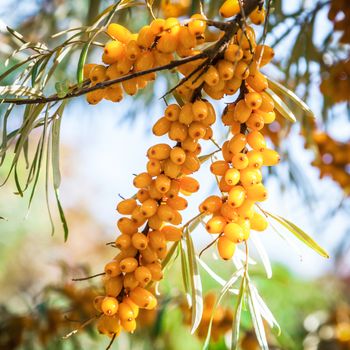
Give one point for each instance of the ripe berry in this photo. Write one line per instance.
(219, 167)
(240, 161)
(172, 233)
(139, 241)
(258, 222)
(236, 196)
(226, 248)
(234, 232)
(256, 140)
(232, 176)
(128, 265)
(126, 206)
(109, 306)
(216, 224)
(143, 275)
(143, 298)
(178, 155)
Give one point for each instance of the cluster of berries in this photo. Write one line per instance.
(44, 324)
(221, 322)
(333, 160)
(152, 217)
(153, 46)
(336, 82)
(239, 173)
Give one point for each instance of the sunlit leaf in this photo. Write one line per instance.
(195, 281)
(264, 310)
(281, 107)
(282, 90)
(255, 239)
(257, 319)
(223, 291)
(19, 90)
(299, 233)
(236, 321)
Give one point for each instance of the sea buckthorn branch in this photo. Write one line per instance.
(229, 27)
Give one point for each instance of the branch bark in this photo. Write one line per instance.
(230, 28)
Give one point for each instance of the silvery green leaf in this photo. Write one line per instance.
(255, 239)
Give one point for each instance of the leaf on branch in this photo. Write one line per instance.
(185, 273)
(264, 310)
(19, 90)
(82, 60)
(299, 233)
(195, 282)
(281, 107)
(215, 276)
(262, 253)
(282, 90)
(235, 276)
(257, 319)
(236, 321)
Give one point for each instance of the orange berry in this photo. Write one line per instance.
(236, 196)
(160, 151)
(257, 192)
(232, 177)
(200, 110)
(126, 206)
(189, 184)
(242, 112)
(270, 156)
(113, 285)
(139, 241)
(258, 222)
(143, 298)
(219, 167)
(216, 224)
(142, 180)
(230, 8)
(178, 155)
(253, 100)
(234, 232)
(226, 248)
(172, 112)
(154, 167)
(128, 265)
(109, 306)
(161, 127)
(237, 143)
(240, 161)
(172, 233)
(143, 275)
(149, 207)
(177, 203)
(211, 204)
(256, 140)
(127, 226)
(255, 159)
(112, 269)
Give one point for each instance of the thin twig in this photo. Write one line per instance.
(111, 342)
(89, 277)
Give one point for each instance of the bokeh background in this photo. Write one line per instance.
(103, 145)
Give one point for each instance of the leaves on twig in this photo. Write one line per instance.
(299, 233)
(195, 282)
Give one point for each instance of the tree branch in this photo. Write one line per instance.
(230, 28)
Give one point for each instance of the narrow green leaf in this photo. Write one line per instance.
(56, 125)
(81, 62)
(282, 90)
(62, 216)
(257, 321)
(299, 233)
(185, 273)
(223, 291)
(19, 90)
(236, 322)
(196, 283)
(170, 254)
(281, 106)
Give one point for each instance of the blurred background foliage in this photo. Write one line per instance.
(39, 303)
